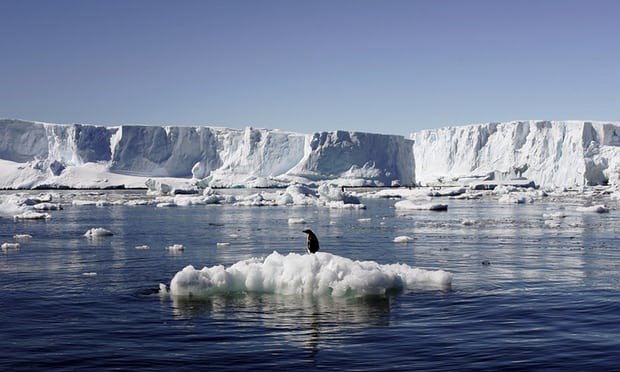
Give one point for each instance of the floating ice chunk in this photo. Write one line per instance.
(342, 205)
(296, 221)
(98, 232)
(554, 224)
(81, 203)
(165, 205)
(448, 191)
(297, 195)
(9, 246)
(137, 202)
(556, 215)
(403, 239)
(309, 274)
(514, 199)
(468, 222)
(176, 248)
(163, 289)
(90, 273)
(222, 244)
(32, 216)
(156, 187)
(364, 220)
(601, 208)
(329, 193)
(142, 247)
(47, 206)
(255, 200)
(411, 205)
(22, 236)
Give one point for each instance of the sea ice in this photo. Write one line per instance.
(412, 205)
(98, 232)
(403, 239)
(309, 274)
(601, 208)
(8, 246)
(176, 248)
(32, 216)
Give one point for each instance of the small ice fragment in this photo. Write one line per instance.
(364, 220)
(296, 221)
(468, 222)
(176, 248)
(97, 232)
(222, 244)
(32, 216)
(143, 246)
(601, 208)
(554, 224)
(7, 246)
(165, 204)
(47, 207)
(22, 236)
(163, 289)
(91, 273)
(403, 239)
(411, 205)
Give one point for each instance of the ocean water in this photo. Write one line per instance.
(525, 294)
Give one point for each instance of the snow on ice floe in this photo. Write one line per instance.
(601, 208)
(96, 232)
(310, 274)
(417, 206)
(29, 215)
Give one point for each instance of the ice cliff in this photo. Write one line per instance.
(551, 153)
(34, 154)
(562, 154)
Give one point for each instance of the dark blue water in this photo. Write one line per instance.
(545, 297)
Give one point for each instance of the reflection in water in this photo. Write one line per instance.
(308, 322)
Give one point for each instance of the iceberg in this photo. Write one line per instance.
(550, 153)
(178, 159)
(44, 155)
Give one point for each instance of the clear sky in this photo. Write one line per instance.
(377, 66)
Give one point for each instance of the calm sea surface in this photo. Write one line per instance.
(545, 297)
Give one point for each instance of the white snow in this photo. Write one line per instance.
(294, 274)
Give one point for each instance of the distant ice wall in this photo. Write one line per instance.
(223, 156)
(559, 153)
(564, 154)
(374, 159)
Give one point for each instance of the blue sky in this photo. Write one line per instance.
(376, 66)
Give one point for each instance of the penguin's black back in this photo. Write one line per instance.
(313, 241)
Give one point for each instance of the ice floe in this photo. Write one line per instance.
(305, 274)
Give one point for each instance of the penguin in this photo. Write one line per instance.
(313, 241)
